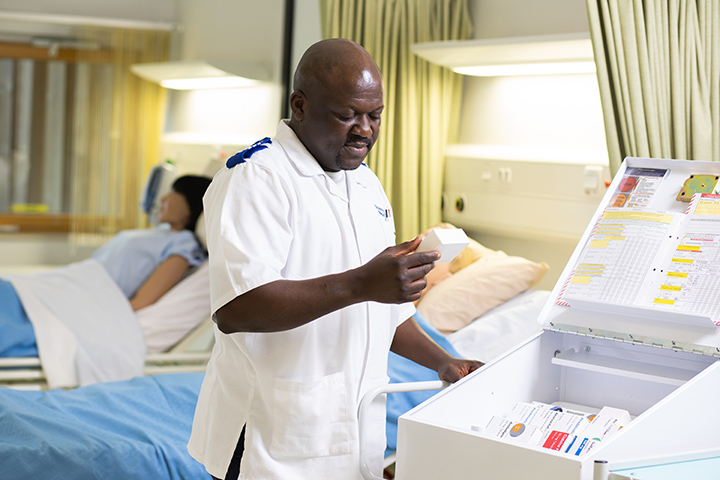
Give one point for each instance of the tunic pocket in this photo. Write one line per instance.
(311, 419)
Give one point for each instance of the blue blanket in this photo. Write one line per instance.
(120, 430)
(402, 370)
(137, 428)
(17, 337)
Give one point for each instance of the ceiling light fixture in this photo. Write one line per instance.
(539, 55)
(192, 75)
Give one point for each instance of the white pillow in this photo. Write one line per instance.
(177, 313)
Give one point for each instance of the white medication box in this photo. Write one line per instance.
(513, 430)
(448, 241)
(607, 422)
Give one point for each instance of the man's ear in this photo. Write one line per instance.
(297, 105)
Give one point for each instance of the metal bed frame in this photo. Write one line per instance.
(191, 354)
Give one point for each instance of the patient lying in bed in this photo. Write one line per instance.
(85, 310)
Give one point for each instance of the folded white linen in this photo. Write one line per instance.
(179, 311)
(85, 328)
(502, 328)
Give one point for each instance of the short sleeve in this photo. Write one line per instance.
(248, 222)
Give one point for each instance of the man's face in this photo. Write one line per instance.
(341, 122)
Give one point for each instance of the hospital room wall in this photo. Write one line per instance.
(208, 125)
(546, 134)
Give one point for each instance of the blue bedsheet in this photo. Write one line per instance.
(401, 370)
(17, 337)
(135, 429)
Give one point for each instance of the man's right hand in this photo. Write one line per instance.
(397, 274)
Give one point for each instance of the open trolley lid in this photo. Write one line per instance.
(647, 268)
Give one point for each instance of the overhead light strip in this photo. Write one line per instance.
(75, 20)
(537, 55)
(208, 82)
(556, 68)
(195, 75)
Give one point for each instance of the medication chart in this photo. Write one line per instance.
(690, 271)
(658, 259)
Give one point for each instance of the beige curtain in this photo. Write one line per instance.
(118, 122)
(659, 75)
(422, 100)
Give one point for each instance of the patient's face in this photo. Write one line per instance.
(174, 209)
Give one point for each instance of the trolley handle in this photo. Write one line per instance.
(365, 405)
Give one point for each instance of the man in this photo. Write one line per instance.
(308, 289)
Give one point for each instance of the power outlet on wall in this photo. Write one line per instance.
(505, 174)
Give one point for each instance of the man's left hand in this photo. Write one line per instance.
(457, 368)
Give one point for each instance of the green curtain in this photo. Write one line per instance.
(659, 76)
(117, 128)
(422, 100)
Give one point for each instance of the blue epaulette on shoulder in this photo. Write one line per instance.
(241, 157)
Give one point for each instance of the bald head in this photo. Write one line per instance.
(336, 103)
(331, 61)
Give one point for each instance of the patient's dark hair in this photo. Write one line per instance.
(192, 187)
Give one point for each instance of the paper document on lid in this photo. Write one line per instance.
(652, 259)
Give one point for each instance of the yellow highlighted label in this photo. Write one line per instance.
(615, 237)
(599, 243)
(581, 279)
(708, 208)
(663, 301)
(648, 216)
(677, 274)
(671, 288)
(688, 248)
(29, 208)
(682, 260)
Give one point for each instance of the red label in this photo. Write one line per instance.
(555, 440)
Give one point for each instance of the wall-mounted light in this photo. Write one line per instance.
(538, 55)
(558, 68)
(192, 75)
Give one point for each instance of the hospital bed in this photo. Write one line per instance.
(176, 330)
(138, 428)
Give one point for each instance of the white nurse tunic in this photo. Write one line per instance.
(280, 216)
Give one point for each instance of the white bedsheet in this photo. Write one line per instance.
(85, 329)
(501, 328)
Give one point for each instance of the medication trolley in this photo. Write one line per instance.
(632, 324)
